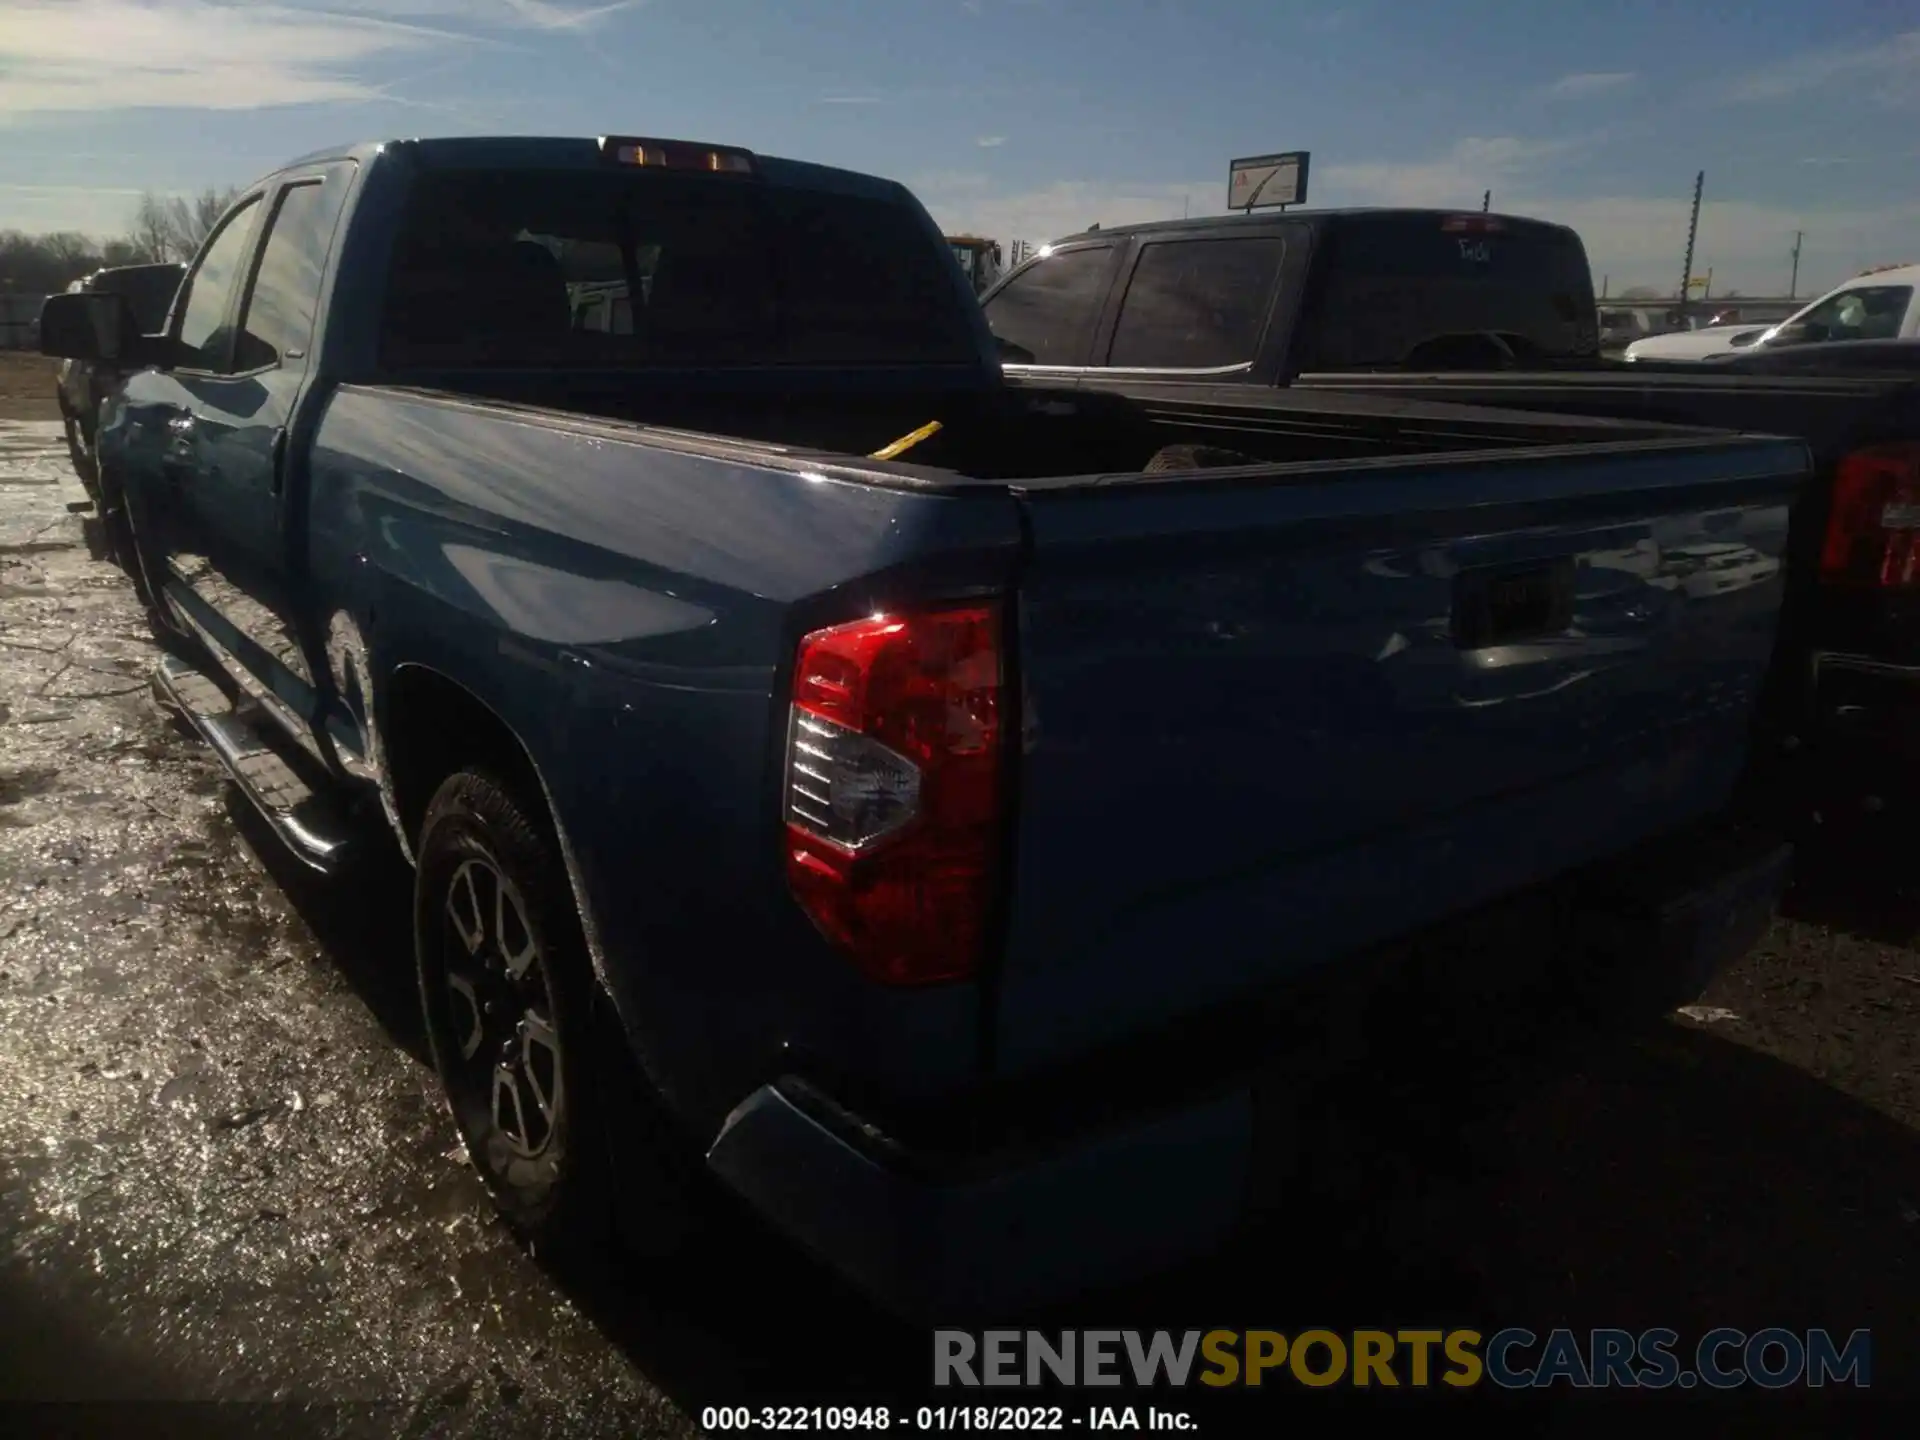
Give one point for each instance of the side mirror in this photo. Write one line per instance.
(83, 327)
(1012, 354)
(96, 327)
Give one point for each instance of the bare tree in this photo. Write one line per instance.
(43, 264)
(173, 227)
(152, 235)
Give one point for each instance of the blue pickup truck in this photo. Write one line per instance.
(901, 831)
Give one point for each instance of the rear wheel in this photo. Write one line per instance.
(496, 953)
(523, 1043)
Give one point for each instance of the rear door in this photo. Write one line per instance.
(1199, 307)
(236, 588)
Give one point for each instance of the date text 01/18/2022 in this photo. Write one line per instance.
(811, 1419)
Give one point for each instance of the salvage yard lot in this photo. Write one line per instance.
(26, 386)
(224, 1174)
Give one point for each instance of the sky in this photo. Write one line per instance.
(1031, 119)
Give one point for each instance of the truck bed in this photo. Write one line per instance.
(1035, 435)
(1466, 649)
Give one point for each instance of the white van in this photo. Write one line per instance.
(1877, 304)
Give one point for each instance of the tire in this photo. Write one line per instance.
(528, 1102)
(80, 453)
(1195, 457)
(123, 549)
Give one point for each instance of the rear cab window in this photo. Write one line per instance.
(1396, 290)
(1197, 304)
(568, 269)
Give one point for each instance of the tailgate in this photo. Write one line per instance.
(1274, 718)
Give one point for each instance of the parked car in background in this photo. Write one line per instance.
(1697, 344)
(149, 291)
(775, 792)
(1877, 305)
(1620, 327)
(1882, 304)
(1481, 310)
(1254, 297)
(1834, 357)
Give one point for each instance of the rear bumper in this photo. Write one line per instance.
(1096, 1194)
(1103, 1208)
(1864, 732)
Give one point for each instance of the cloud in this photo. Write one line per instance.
(66, 55)
(966, 204)
(1886, 70)
(991, 142)
(82, 55)
(1588, 83)
(90, 209)
(1632, 239)
(500, 14)
(1457, 177)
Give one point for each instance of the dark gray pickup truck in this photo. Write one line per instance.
(82, 385)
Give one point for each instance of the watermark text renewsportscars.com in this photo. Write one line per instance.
(1512, 1358)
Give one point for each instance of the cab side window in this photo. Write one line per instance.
(277, 321)
(1046, 314)
(205, 338)
(1197, 304)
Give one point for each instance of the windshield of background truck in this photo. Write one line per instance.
(1393, 288)
(729, 272)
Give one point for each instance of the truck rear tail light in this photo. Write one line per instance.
(892, 789)
(1873, 532)
(676, 155)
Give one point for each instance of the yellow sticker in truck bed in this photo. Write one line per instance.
(906, 442)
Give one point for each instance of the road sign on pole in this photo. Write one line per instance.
(1262, 180)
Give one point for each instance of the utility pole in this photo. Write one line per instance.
(1793, 285)
(1603, 285)
(1693, 230)
(1486, 202)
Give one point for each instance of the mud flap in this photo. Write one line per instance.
(1642, 953)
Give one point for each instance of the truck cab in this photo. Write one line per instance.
(980, 259)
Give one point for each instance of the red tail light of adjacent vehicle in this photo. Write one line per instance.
(892, 789)
(1873, 532)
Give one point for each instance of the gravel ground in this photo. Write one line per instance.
(27, 386)
(224, 1176)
